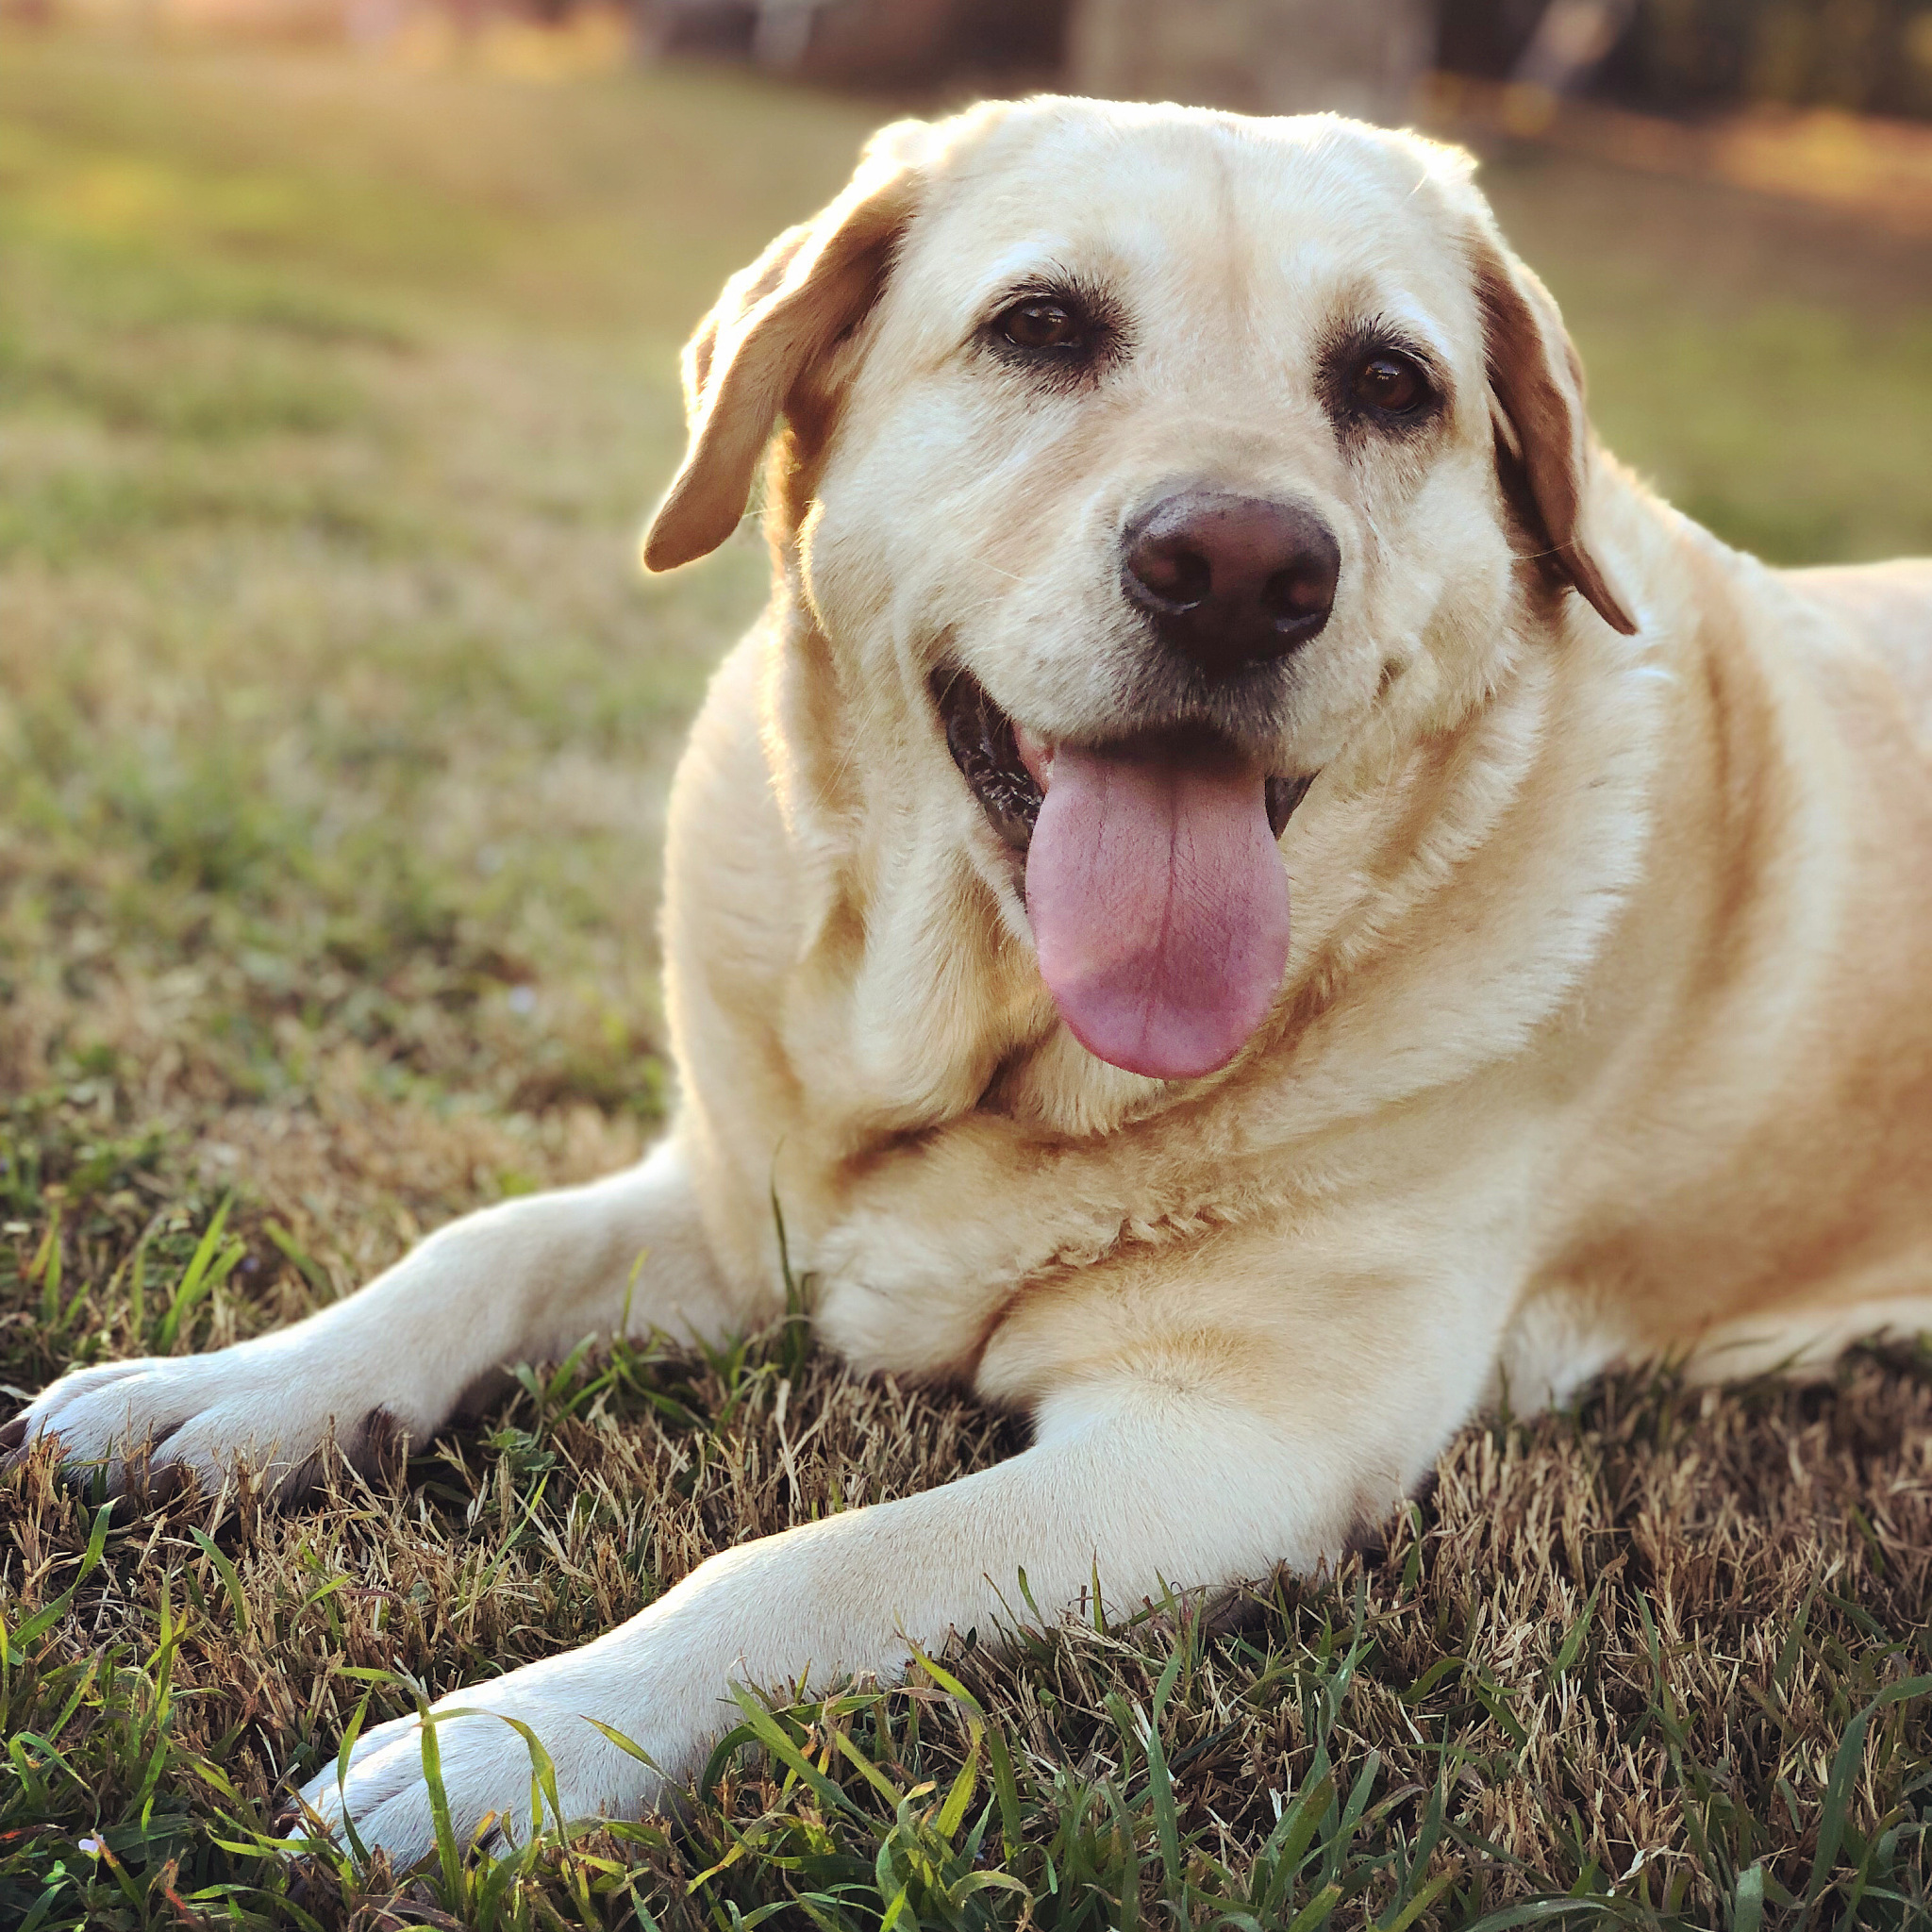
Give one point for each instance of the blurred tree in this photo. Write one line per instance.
(866, 41)
(1687, 55)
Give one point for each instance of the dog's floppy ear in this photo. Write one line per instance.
(771, 324)
(1542, 436)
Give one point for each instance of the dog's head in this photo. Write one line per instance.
(1154, 459)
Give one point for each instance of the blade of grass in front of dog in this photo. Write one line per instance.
(866, 1768)
(966, 1783)
(796, 1343)
(449, 1853)
(96, 1544)
(727, 1747)
(791, 1293)
(344, 1754)
(1161, 1785)
(1005, 1787)
(629, 1746)
(630, 1290)
(543, 1772)
(769, 1732)
(953, 1812)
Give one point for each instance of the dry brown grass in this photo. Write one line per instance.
(1637, 1636)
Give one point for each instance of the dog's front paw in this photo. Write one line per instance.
(487, 1769)
(269, 1405)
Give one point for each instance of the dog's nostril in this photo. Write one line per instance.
(1291, 595)
(1173, 573)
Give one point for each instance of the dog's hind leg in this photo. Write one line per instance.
(1804, 1344)
(523, 1280)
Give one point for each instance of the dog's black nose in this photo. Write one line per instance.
(1231, 581)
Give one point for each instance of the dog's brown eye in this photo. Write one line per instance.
(1041, 323)
(1389, 383)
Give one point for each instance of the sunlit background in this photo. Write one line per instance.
(336, 368)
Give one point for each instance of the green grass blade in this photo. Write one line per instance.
(232, 1580)
(1005, 1790)
(45, 1267)
(768, 1732)
(954, 1810)
(1572, 1646)
(1317, 1910)
(1747, 1901)
(1835, 1810)
(1160, 1787)
(208, 1267)
(448, 1852)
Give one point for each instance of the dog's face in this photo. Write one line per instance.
(1148, 461)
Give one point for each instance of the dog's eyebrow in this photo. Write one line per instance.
(1397, 316)
(1364, 297)
(1038, 265)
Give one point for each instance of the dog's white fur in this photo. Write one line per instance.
(1604, 1034)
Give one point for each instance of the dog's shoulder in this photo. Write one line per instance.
(1887, 607)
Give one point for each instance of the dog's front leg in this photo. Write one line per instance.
(520, 1282)
(1166, 1477)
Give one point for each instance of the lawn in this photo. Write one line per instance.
(335, 722)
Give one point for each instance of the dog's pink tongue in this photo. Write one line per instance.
(1159, 906)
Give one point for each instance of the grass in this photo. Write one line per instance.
(334, 726)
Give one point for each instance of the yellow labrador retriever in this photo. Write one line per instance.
(1254, 885)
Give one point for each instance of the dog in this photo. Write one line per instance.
(1180, 522)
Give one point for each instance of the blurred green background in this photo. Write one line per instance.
(331, 395)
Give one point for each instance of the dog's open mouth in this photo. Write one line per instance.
(981, 738)
(1153, 887)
